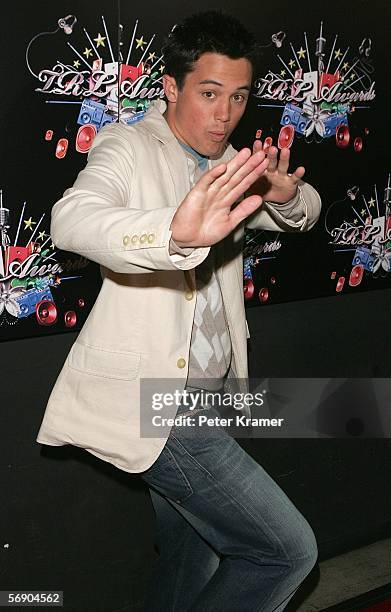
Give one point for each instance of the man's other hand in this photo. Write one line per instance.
(276, 184)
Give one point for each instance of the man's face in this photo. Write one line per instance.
(212, 101)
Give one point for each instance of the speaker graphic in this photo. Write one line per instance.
(342, 136)
(62, 148)
(248, 288)
(85, 137)
(340, 284)
(358, 144)
(263, 295)
(356, 275)
(46, 312)
(70, 318)
(285, 137)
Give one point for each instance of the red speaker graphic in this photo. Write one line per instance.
(356, 275)
(340, 284)
(342, 136)
(70, 318)
(358, 144)
(263, 295)
(85, 137)
(46, 312)
(248, 288)
(286, 135)
(62, 148)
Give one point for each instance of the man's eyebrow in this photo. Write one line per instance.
(211, 82)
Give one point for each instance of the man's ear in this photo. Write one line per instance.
(170, 88)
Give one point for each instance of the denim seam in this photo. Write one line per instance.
(184, 477)
(237, 502)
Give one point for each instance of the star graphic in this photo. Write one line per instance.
(283, 72)
(140, 43)
(371, 202)
(345, 66)
(337, 54)
(29, 223)
(76, 64)
(87, 52)
(161, 69)
(363, 212)
(292, 63)
(355, 222)
(41, 236)
(301, 53)
(353, 75)
(100, 40)
(52, 246)
(151, 57)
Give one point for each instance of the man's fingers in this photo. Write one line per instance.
(209, 177)
(244, 209)
(299, 172)
(236, 163)
(240, 173)
(238, 190)
(257, 146)
(272, 154)
(283, 164)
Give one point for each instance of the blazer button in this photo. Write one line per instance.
(134, 239)
(143, 237)
(151, 237)
(189, 295)
(125, 240)
(181, 363)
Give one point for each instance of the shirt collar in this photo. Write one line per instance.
(202, 161)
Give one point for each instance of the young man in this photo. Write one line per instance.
(157, 207)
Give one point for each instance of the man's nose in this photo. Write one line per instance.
(223, 111)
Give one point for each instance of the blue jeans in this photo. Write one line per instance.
(229, 538)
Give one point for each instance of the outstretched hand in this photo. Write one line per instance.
(276, 184)
(205, 216)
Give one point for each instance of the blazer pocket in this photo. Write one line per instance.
(104, 363)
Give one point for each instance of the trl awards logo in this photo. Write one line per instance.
(106, 82)
(318, 89)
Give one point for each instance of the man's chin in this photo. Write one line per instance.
(218, 150)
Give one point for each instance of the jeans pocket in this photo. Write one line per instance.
(167, 477)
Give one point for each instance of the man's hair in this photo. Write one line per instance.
(207, 32)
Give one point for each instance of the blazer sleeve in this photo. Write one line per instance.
(298, 215)
(93, 220)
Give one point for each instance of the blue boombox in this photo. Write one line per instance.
(29, 300)
(94, 113)
(363, 257)
(293, 115)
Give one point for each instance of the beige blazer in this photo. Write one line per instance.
(118, 213)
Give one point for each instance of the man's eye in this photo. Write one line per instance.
(239, 98)
(208, 94)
